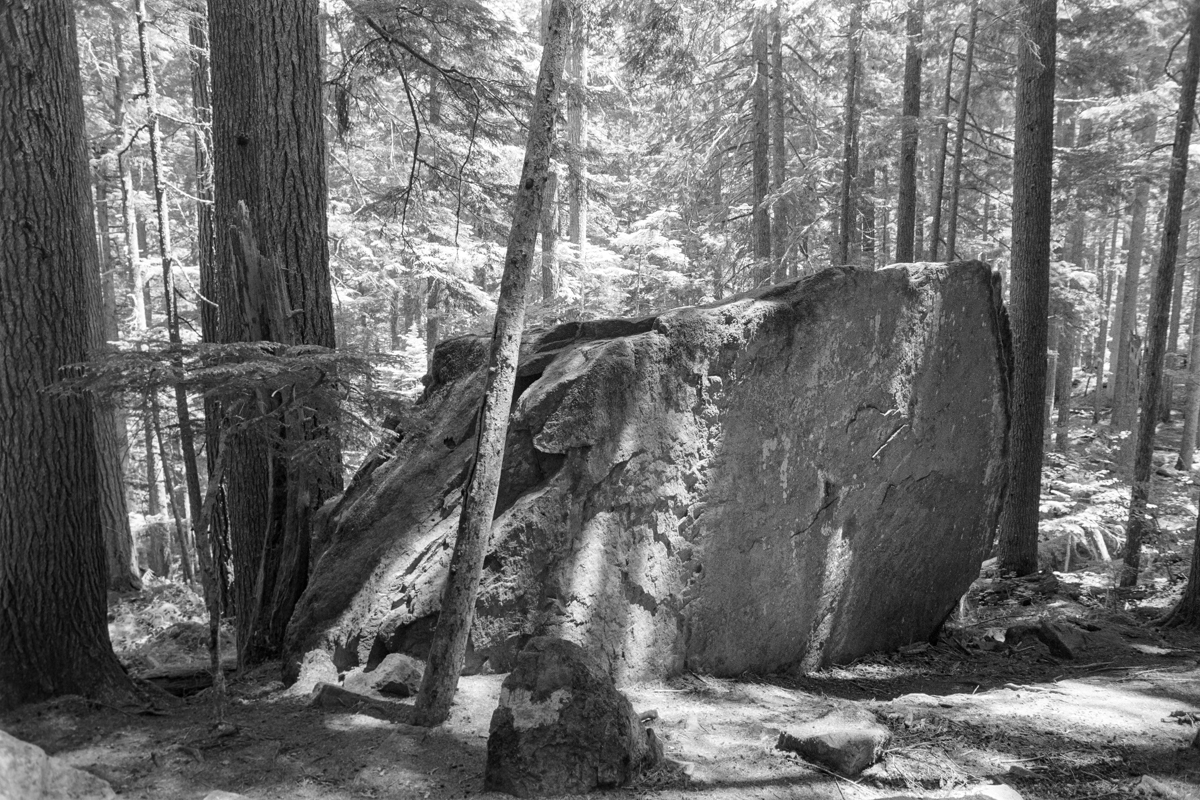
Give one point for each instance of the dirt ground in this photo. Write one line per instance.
(987, 702)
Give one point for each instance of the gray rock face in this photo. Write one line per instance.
(846, 740)
(26, 772)
(562, 727)
(803, 474)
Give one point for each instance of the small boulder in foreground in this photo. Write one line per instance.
(562, 727)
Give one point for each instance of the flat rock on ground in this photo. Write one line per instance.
(847, 740)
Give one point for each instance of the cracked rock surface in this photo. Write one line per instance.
(802, 474)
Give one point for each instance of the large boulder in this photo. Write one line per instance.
(562, 727)
(803, 474)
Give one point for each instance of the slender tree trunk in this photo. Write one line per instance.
(867, 211)
(906, 202)
(1191, 416)
(550, 238)
(54, 639)
(1033, 157)
(433, 318)
(1126, 392)
(1114, 342)
(1064, 373)
(1173, 358)
(1107, 278)
(549, 207)
(448, 649)
(760, 163)
(848, 220)
(1053, 329)
(960, 134)
(1160, 308)
(177, 511)
(112, 435)
(170, 306)
(939, 180)
(577, 139)
(780, 225)
(156, 527)
(210, 323)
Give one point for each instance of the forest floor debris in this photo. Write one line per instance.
(1056, 686)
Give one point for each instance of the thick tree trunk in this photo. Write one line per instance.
(1033, 158)
(848, 220)
(1160, 306)
(760, 163)
(268, 141)
(448, 649)
(939, 180)
(960, 134)
(1125, 394)
(906, 202)
(54, 640)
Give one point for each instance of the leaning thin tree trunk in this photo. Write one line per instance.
(964, 101)
(939, 180)
(1160, 308)
(447, 652)
(906, 203)
(1033, 158)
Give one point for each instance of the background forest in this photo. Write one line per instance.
(707, 149)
